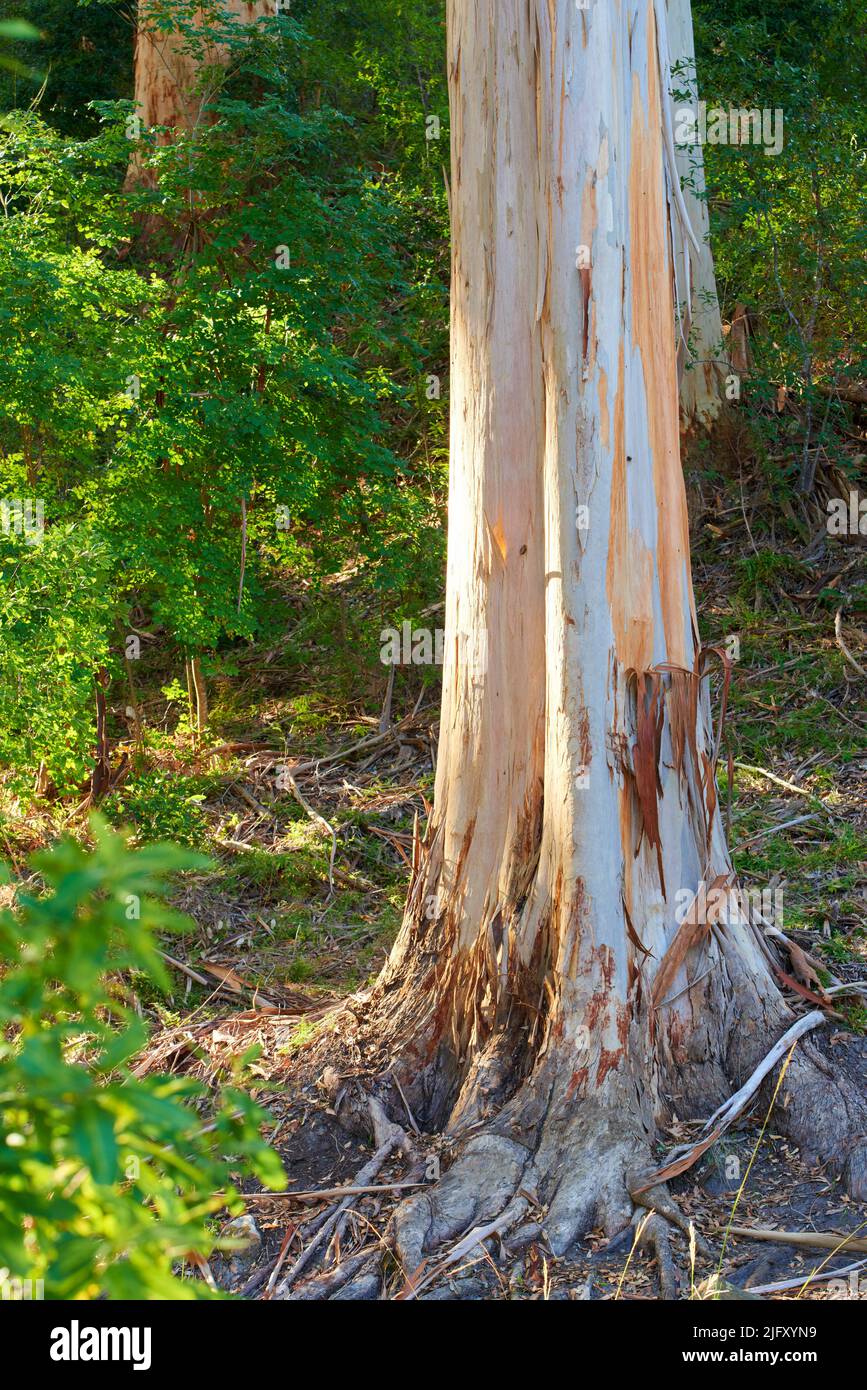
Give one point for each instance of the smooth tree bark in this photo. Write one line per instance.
(701, 361)
(545, 1003)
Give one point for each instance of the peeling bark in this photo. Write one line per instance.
(543, 1003)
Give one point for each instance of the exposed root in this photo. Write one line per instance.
(658, 1200)
(537, 1158)
(477, 1189)
(653, 1235)
(548, 1169)
(575, 1173)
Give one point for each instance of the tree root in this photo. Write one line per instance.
(653, 1235)
(546, 1164)
(570, 1172)
(658, 1200)
(579, 1174)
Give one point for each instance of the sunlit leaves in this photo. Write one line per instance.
(106, 1180)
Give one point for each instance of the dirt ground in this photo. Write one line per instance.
(766, 1187)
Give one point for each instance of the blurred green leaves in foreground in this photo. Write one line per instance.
(107, 1181)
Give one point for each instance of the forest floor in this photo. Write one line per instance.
(305, 792)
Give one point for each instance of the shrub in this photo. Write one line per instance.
(107, 1180)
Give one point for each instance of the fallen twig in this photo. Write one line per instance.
(838, 633)
(780, 781)
(818, 1276)
(685, 1156)
(329, 1193)
(317, 819)
(772, 830)
(732, 1108)
(251, 801)
(186, 970)
(822, 1240)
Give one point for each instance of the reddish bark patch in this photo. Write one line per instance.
(577, 1082)
(649, 713)
(629, 569)
(582, 729)
(586, 284)
(652, 313)
(677, 1036)
(608, 1061)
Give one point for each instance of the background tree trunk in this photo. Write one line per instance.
(170, 65)
(543, 997)
(700, 351)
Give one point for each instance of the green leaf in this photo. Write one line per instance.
(94, 1139)
(14, 29)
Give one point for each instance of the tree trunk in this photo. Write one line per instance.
(170, 64)
(543, 1002)
(701, 361)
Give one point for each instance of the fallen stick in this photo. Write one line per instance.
(772, 830)
(847, 987)
(819, 1276)
(323, 1193)
(313, 764)
(838, 633)
(185, 969)
(821, 1240)
(251, 801)
(780, 782)
(732, 1108)
(274, 1275)
(317, 820)
(684, 1156)
(239, 846)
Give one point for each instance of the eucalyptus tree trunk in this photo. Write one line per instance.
(700, 349)
(172, 64)
(544, 1002)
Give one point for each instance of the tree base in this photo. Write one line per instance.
(541, 1163)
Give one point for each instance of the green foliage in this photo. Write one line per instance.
(55, 623)
(107, 1180)
(213, 374)
(788, 229)
(767, 570)
(161, 805)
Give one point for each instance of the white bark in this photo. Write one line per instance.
(575, 802)
(564, 398)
